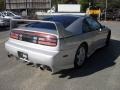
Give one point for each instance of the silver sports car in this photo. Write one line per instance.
(58, 42)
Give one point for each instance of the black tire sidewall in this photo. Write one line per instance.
(76, 66)
(108, 38)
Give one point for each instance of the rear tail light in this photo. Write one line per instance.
(33, 37)
(14, 35)
(46, 39)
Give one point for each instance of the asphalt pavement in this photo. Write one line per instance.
(101, 71)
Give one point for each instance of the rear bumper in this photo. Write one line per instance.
(52, 59)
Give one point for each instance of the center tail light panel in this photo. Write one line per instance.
(41, 38)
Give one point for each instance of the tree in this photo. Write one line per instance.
(113, 3)
(55, 2)
(85, 5)
(1, 4)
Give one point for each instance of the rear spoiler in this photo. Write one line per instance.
(41, 15)
(20, 20)
(27, 20)
(60, 30)
(58, 13)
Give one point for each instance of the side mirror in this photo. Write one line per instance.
(103, 26)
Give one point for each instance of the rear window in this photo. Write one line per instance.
(64, 20)
(40, 25)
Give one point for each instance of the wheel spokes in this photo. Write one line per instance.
(81, 56)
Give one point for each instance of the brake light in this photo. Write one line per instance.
(35, 37)
(47, 39)
(14, 35)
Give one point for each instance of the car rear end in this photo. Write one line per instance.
(43, 42)
(37, 42)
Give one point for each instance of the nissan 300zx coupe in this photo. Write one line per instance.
(58, 42)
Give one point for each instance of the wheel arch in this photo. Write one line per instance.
(84, 44)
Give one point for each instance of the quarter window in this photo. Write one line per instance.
(85, 27)
(94, 25)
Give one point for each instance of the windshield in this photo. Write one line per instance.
(8, 14)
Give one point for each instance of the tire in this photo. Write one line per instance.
(108, 39)
(80, 57)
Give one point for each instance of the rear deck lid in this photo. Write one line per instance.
(38, 32)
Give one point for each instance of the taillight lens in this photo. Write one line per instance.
(46, 39)
(34, 37)
(14, 35)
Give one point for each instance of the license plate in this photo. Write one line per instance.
(22, 55)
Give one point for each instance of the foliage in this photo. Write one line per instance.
(85, 5)
(113, 3)
(1, 4)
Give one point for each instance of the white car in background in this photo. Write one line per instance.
(11, 15)
(58, 42)
(3, 21)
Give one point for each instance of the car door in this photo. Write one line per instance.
(100, 36)
(91, 36)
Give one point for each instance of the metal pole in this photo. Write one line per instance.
(89, 4)
(9, 5)
(26, 8)
(106, 6)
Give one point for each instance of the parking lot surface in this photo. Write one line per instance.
(101, 71)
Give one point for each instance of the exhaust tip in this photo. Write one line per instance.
(10, 55)
(42, 67)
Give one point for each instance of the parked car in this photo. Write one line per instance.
(11, 15)
(3, 21)
(117, 14)
(58, 42)
(111, 14)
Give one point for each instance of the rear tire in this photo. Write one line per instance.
(108, 39)
(80, 57)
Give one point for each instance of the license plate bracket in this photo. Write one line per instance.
(22, 55)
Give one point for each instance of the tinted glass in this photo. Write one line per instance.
(40, 25)
(85, 27)
(93, 24)
(64, 20)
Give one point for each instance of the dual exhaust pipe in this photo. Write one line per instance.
(10, 55)
(42, 67)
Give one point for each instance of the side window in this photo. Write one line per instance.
(85, 27)
(94, 25)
